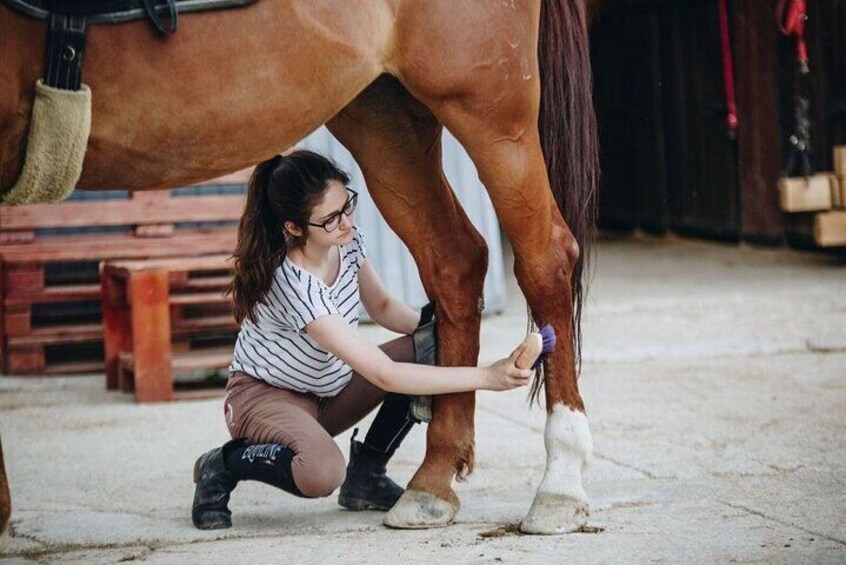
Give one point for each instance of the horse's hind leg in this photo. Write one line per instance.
(5, 499)
(493, 111)
(397, 143)
(511, 165)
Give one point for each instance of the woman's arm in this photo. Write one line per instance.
(384, 309)
(335, 335)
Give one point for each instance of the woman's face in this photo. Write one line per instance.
(330, 209)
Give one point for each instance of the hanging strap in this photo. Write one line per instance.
(728, 69)
(65, 46)
(791, 21)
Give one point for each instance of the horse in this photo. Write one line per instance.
(510, 79)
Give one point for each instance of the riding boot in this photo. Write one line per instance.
(367, 486)
(210, 510)
(217, 472)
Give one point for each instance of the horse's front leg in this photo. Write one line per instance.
(396, 141)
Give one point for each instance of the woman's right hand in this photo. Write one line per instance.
(504, 374)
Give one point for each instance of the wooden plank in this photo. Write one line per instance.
(830, 229)
(204, 324)
(69, 334)
(72, 367)
(194, 360)
(86, 248)
(92, 333)
(201, 283)
(16, 236)
(53, 294)
(117, 331)
(157, 197)
(97, 213)
(148, 297)
(17, 321)
(199, 298)
(23, 275)
(25, 360)
(79, 292)
(216, 262)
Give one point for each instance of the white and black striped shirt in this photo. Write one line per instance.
(277, 350)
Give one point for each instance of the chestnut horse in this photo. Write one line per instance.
(510, 79)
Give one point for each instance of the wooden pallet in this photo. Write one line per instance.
(151, 219)
(139, 331)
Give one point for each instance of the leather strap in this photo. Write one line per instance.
(153, 14)
(65, 47)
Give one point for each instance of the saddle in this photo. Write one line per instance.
(68, 19)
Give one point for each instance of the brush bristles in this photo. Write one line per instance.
(548, 336)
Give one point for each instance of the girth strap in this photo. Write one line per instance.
(65, 46)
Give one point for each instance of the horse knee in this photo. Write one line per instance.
(466, 271)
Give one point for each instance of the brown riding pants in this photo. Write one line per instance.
(304, 422)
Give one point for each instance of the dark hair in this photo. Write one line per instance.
(281, 189)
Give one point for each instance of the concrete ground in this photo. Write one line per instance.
(715, 380)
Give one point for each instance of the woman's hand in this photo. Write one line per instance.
(504, 375)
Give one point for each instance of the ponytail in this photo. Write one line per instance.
(280, 189)
(261, 243)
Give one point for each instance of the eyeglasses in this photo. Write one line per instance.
(334, 221)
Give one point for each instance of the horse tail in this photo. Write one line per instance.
(568, 132)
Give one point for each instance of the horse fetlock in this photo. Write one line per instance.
(561, 504)
(418, 509)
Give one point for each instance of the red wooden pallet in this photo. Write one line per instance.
(139, 331)
(25, 346)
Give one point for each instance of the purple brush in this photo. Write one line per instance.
(537, 343)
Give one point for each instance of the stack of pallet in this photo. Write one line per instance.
(49, 258)
(823, 193)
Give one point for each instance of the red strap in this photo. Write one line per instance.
(728, 67)
(792, 22)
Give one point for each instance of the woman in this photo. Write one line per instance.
(300, 373)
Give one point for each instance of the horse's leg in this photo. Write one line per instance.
(397, 143)
(545, 253)
(5, 498)
(491, 101)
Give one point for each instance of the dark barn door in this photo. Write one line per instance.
(668, 162)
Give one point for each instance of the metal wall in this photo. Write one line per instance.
(388, 253)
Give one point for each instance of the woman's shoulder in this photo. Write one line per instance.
(288, 275)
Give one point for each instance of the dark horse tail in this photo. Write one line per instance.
(568, 130)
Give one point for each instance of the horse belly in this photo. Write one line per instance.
(227, 90)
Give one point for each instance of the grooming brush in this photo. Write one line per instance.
(537, 343)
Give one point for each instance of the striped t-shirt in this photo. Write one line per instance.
(276, 348)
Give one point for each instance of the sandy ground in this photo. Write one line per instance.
(715, 380)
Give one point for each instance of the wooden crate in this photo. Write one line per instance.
(840, 160)
(830, 229)
(800, 194)
(139, 328)
(35, 338)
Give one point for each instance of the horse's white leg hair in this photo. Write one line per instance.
(560, 504)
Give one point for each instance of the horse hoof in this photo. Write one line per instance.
(555, 514)
(417, 509)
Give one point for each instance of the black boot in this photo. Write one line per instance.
(210, 510)
(366, 486)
